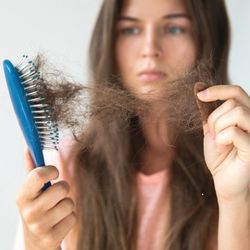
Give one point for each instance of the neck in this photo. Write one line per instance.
(152, 162)
(158, 152)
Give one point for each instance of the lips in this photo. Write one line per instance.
(151, 75)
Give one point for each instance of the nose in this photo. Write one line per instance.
(151, 46)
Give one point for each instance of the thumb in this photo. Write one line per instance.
(28, 161)
(205, 108)
(205, 128)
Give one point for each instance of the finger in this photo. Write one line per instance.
(226, 107)
(237, 137)
(52, 196)
(36, 179)
(225, 92)
(64, 208)
(60, 230)
(28, 161)
(238, 116)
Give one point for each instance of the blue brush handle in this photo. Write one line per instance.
(24, 114)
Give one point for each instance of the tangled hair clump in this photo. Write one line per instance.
(74, 103)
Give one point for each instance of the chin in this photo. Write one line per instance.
(145, 91)
(148, 93)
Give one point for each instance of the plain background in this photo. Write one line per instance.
(61, 29)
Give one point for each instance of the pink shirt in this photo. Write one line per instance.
(153, 209)
(152, 202)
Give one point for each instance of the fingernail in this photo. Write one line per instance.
(202, 93)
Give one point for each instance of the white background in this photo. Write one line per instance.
(62, 29)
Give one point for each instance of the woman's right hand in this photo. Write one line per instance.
(47, 216)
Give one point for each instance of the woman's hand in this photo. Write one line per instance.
(47, 216)
(227, 141)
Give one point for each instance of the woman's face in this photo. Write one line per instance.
(154, 43)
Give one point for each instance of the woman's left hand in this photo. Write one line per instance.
(227, 141)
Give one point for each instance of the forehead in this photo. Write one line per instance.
(152, 9)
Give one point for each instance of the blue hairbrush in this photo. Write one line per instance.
(34, 115)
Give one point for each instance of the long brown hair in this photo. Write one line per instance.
(107, 158)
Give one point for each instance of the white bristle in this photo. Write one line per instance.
(46, 127)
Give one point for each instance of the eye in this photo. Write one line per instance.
(175, 30)
(129, 31)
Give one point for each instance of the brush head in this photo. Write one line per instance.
(34, 115)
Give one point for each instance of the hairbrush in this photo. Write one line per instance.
(34, 116)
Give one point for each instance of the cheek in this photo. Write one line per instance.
(189, 53)
(181, 58)
(126, 56)
(123, 62)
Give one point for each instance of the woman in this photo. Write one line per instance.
(162, 197)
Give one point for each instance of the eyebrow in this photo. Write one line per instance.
(169, 16)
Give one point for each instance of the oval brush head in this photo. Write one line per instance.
(34, 115)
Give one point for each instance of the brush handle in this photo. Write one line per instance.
(24, 114)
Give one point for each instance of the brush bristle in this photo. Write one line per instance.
(46, 126)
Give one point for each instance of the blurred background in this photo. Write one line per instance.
(61, 30)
